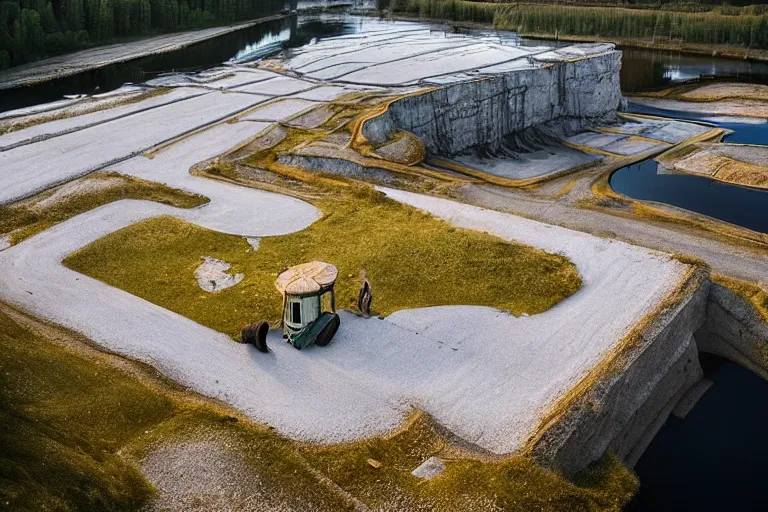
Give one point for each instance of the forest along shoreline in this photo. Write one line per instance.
(102, 56)
(743, 31)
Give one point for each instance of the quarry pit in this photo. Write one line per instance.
(413, 112)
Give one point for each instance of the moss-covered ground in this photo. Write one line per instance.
(412, 260)
(74, 421)
(38, 213)
(468, 483)
(756, 294)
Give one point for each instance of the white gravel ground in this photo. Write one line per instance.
(482, 373)
(213, 275)
(34, 167)
(549, 160)
(78, 122)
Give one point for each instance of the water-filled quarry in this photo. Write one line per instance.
(665, 369)
(713, 459)
(743, 206)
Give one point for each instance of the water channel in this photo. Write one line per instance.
(744, 206)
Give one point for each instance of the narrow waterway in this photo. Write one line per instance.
(642, 69)
(743, 206)
(653, 69)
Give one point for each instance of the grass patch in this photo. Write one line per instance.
(412, 260)
(31, 216)
(748, 29)
(71, 424)
(73, 420)
(62, 420)
(515, 483)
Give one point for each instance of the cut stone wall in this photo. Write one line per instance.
(735, 330)
(622, 412)
(459, 116)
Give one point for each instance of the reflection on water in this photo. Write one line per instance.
(649, 69)
(269, 43)
(743, 206)
(715, 458)
(747, 207)
(641, 69)
(191, 58)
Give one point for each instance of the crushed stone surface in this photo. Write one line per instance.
(375, 371)
(77, 187)
(484, 374)
(207, 474)
(213, 275)
(430, 468)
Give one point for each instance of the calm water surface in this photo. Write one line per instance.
(714, 460)
(744, 206)
(642, 69)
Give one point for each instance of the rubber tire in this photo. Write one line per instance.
(256, 335)
(328, 332)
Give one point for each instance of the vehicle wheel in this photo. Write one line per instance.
(326, 335)
(256, 335)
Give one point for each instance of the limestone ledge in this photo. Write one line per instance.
(458, 116)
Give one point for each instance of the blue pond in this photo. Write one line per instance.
(747, 207)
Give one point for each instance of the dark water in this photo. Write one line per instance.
(642, 69)
(737, 205)
(649, 69)
(747, 207)
(715, 459)
(264, 37)
(237, 47)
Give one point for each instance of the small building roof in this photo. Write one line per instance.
(306, 279)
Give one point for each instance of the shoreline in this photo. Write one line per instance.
(69, 64)
(710, 50)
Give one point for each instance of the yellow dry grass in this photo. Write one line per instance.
(76, 420)
(412, 259)
(29, 121)
(26, 218)
(741, 173)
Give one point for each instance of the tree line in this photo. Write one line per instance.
(739, 26)
(31, 29)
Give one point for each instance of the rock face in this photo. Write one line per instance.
(624, 410)
(735, 330)
(455, 117)
(430, 468)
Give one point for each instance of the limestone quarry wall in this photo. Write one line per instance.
(623, 411)
(735, 330)
(456, 117)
